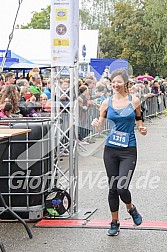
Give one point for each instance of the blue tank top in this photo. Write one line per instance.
(121, 120)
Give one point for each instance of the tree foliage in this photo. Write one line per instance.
(95, 14)
(126, 33)
(156, 18)
(39, 20)
(137, 32)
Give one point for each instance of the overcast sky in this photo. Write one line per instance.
(9, 8)
(8, 12)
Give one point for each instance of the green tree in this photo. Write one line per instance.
(39, 20)
(124, 38)
(156, 19)
(85, 20)
(95, 13)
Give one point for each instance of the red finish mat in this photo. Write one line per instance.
(124, 224)
(59, 223)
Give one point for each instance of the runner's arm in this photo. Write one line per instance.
(98, 123)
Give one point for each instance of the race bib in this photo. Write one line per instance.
(119, 138)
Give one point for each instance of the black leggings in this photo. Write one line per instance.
(120, 164)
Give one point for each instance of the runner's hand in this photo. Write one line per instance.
(142, 130)
(95, 123)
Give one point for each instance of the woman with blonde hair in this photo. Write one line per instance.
(34, 70)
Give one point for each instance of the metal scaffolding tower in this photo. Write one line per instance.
(64, 118)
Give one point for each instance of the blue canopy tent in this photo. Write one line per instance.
(15, 61)
(21, 59)
(23, 65)
(18, 64)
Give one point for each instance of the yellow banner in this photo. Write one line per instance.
(61, 42)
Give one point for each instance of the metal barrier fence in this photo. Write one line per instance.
(151, 108)
(154, 106)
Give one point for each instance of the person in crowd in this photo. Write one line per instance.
(156, 88)
(83, 130)
(108, 86)
(36, 84)
(23, 91)
(80, 82)
(90, 84)
(163, 91)
(91, 103)
(10, 94)
(47, 90)
(2, 80)
(147, 88)
(43, 99)
(157, 92)
(1, 91)
(106, 73)
(22, 82)
(36, 97)
(91, 76)
(46, 103)
(26, 101)
(134, 91)
(6, 111)
(120, 152)
(35, 70)
(22, 100)
(101, 92)
(10, 78)
(26, 106)
(64, 93)
(35, 110)
(44, 83)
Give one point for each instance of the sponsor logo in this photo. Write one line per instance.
(61, 14)
(61, 42)
(61, 29)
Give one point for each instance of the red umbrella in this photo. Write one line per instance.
(142, 77)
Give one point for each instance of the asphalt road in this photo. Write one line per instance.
(148, 189)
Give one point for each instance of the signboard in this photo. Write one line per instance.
(2, 53)
(84, 51)
(64, 27)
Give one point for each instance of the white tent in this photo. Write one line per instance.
(34, 44)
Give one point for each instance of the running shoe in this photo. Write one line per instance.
(136, 216)
(114, 229)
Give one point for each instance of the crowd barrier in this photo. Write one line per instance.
(151, 107)
(154, 106)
